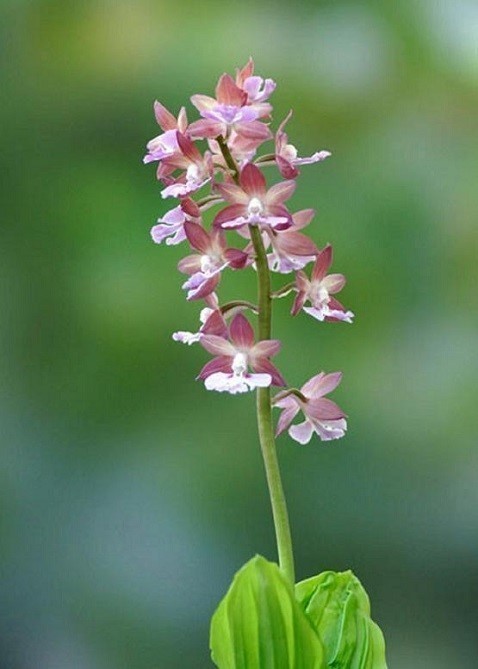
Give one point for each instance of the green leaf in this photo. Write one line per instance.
(339, 609)
(260, 625)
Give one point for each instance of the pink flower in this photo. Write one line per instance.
(252, 203)
(229, 111)
(286, 154)
(171, 226)
(198, 169)
(257, 88)
(291, 250)
(166, 144)
(322, 416)
(204, 268)
(319, 290)
(229, 370)
(213, 323)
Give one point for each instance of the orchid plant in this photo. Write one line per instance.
(265, 621)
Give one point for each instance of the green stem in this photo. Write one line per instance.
(264, 419)
(264, 406)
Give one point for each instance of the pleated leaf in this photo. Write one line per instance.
(260, 625)
(339, 609)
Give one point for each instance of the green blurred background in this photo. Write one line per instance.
(129, 494)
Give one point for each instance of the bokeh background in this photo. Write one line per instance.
(129, 494)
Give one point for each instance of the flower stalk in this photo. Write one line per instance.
(265, 426)
(264, 420)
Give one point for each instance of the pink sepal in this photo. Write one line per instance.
(164, 117)
(324, 409)
(302, 218)
(322, 264)
(228, 93)
(189, 150)
(252, 180)
(287, 416)
(197, 237)
(299, 302)
(215, 325)
(241, 332)
(295, 243)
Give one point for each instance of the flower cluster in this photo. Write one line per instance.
(213, 162)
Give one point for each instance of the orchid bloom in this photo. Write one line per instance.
(319, 290)
(166, 144)
(322, 416)
(252, 203)
(291, 250)
(198, 169)
(204, 268)
(258, 89)
(228, 111)
(229, 370)
(171, 226)
(286, 154)
(212, 323)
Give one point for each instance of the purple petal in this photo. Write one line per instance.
(280, 192)
(203, 289)
(232, 193)
(203, 102)
(206, 128)
(315, 158)
(236, 258)
(253, 130)
(221, 364)
(334, 283)
(191, 265)
(302, 432)
(333, 429)
(295, 243)
(318, 313)
(186, 337)
(266, 348)
(217, 345)
(231, 214)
